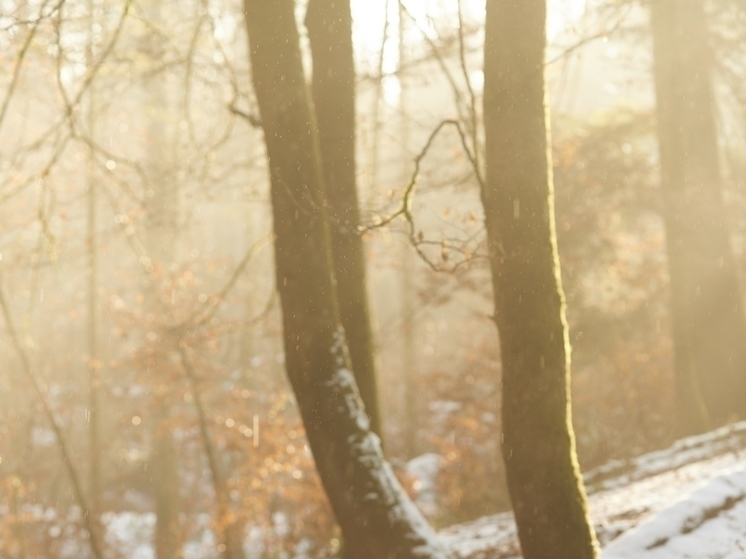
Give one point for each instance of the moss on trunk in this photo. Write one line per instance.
(538, 443)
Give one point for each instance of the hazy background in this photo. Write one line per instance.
(98, 108)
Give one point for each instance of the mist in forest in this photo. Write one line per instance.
(320, 279)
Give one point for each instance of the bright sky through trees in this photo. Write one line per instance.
(368, 24)
(368, 16)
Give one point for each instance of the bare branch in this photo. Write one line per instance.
(22, 55)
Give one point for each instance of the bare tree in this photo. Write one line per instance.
(376, 516)
(161, 230)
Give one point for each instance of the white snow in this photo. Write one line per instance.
(711, 522)
(682, 452)
(424, 471)
(382, 484)
(130, 533)
(686, 501)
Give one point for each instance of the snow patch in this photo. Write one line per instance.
(625, 495)
(424, 471)
(130, 533)
(343, 381)
(709, 504)
(382, 484)
(684, 451)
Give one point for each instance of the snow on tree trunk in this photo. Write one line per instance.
(377, 518)
(329, 25)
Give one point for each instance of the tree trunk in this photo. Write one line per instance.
(329, 24)
(94, 396)
(229, 530)
(544, 481)
(377, 518)
(707, 314)
(161, 228)
(407, 291)
(165, 480)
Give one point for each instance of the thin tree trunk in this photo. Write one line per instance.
(329, 24)
(164, 464)
(544, 481)
(229, 531)
(161, 230)
(377, 518)
(93, 360)
(707, 312)
(406, 281)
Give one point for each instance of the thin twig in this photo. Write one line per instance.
(22, 56)
(211, 306)
(439, 59)
(405, 208)
(474, 124)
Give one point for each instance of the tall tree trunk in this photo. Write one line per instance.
(544, 481)
(707, 313)
(161, 216)
(407, 291)
(329, 24)
(377, 518)
(94, 450)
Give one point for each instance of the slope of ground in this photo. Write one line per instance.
(688, 500)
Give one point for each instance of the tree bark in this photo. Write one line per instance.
(544, 481)
(376, 517)
(94, 396)
(165, 480)
(407, 291)
(329, 24)
(161, 229)
(709, 330)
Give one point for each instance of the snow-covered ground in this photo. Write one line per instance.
(686, 501)
(711, 522)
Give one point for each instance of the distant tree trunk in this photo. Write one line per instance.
(229, 530)
(329, 24)
(94, 470)
(544, 481)
(161, 227)
(165, 480)
(407, 292)
(709, 330)
(377, 518)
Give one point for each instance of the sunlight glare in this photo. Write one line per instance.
(369, 21)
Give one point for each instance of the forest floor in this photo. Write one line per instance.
(686, 501)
